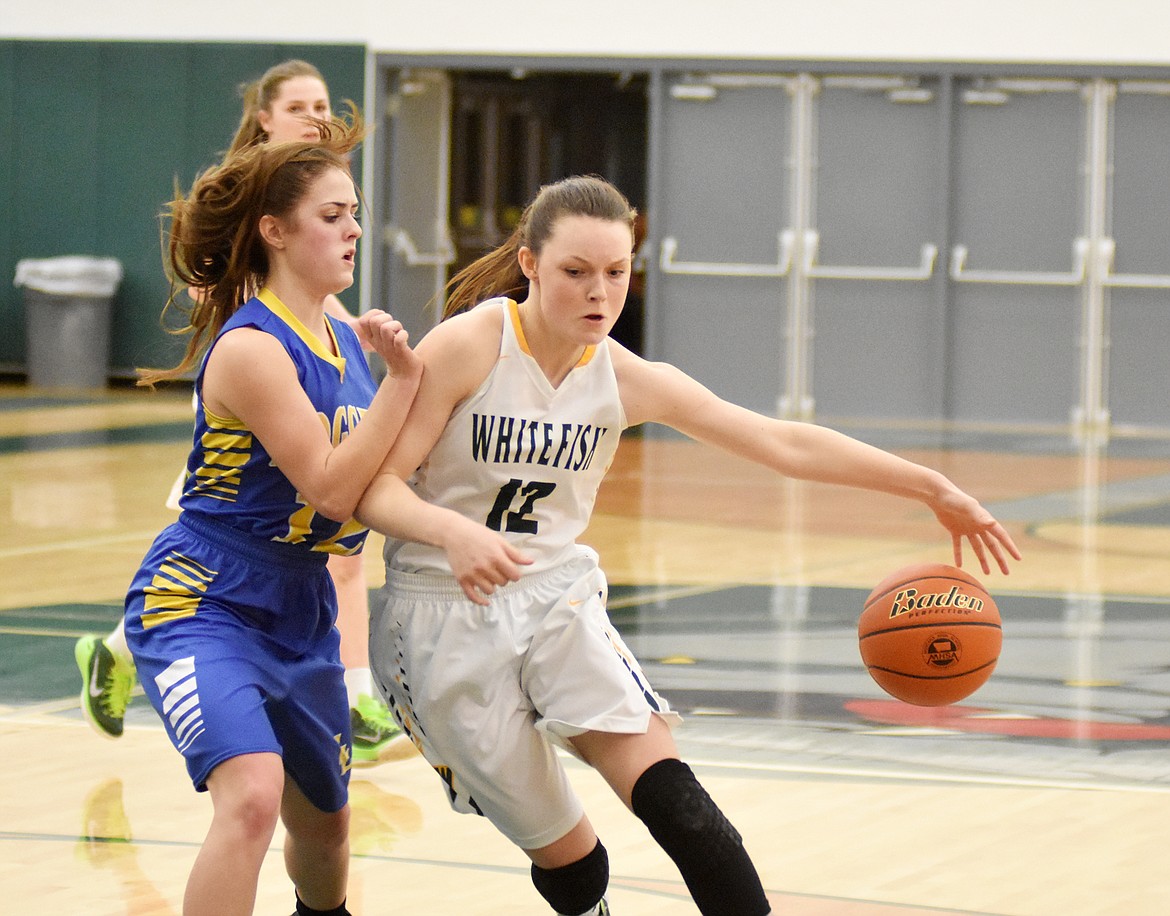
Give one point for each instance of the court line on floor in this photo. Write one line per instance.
(78, 544)
(45, 715)
(652, 887)
(919, 776)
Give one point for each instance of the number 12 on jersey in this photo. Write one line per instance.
(523, 496)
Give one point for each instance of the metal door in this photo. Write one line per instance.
(871, 249)
(1019, 262)
(413, 181)
(720, 166)
(1137, 258)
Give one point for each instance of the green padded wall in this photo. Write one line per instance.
(93, 136)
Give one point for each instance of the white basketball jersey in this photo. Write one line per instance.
(520, 456)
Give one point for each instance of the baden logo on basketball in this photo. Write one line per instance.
(929, 634)
(908, 600)
(943, 651)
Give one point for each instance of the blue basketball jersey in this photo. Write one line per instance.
(230, 475)
(230, 617)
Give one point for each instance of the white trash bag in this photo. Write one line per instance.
(70, 275)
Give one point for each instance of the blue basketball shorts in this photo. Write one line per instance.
(236, 649)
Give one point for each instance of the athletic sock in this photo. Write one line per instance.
(359, 681)
(116, 643)
(303, 909)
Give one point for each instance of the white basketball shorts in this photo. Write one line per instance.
(484, 692)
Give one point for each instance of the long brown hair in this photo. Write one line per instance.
(214, 243)
(498, 273)
(258, 96)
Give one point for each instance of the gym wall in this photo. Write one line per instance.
(93, 136)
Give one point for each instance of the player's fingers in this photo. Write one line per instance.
(389, 329)
(508, 571)
(1005, 539)
(371, 321)
(379, 318)
(997, 551)
(475, 593)
(517, 556)
(980, 552)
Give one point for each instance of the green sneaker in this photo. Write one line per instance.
(108, 681)
(376, 736)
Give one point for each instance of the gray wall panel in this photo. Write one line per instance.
(1017, 204)
(879, 347)
(724, 176)
(1139, 329)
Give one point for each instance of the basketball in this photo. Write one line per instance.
(930, 634)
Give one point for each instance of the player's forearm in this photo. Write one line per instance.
(356, 458)
(390, 507)
(826, 456)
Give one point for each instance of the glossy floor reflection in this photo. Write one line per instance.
(740, 593)
(1081, 691)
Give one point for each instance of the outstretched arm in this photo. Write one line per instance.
(658, 392)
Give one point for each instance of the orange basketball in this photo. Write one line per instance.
(930, 634)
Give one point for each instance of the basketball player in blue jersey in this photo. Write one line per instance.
(279, 106)
(492, 641)
(231, 616)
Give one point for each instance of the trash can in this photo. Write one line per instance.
(67, 319)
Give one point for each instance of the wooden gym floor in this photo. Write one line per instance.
(1047, 792)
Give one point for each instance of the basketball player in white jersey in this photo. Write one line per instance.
(491, 641)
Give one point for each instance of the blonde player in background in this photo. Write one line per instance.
(278, 107)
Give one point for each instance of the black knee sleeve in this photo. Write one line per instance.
(574, 888)
(704, 845)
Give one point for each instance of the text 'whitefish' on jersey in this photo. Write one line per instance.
(503, 440)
